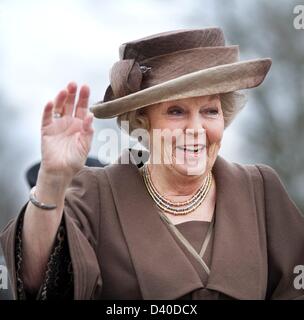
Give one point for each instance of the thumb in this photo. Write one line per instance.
(87, 127)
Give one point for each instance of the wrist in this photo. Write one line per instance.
(39, 204)
(50, 188)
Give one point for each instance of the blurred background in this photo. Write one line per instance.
(46, 44)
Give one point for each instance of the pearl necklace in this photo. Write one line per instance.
(177, 208)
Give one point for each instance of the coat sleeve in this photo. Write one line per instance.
(285, 239)
(81, 219)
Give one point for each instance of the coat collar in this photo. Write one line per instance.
(236, 264)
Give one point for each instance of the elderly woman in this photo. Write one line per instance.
(176, 222)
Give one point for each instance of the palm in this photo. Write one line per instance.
(66, 141)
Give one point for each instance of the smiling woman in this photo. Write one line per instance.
(191, 131)
(180, 223)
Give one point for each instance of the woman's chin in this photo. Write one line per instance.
(188, 170)
(189, 164)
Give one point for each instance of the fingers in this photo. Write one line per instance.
(83, 101)
(65, 101)
(59, 102)
(70, 99)
(47, 114)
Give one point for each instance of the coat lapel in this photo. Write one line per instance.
(237, 267)
(162, 268)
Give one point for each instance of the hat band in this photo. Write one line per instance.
(129, 76)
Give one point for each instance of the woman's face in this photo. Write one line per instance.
(185, 135)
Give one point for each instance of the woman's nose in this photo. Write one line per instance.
(195, 123)
(195, 130)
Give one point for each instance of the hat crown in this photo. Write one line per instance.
(161, 57)
(172, 41)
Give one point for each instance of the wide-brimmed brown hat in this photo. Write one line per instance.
(175, 65)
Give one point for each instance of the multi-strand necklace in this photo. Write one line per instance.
(177, 208)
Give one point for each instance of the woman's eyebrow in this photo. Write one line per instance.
(211, 100)
(208, 104)
(176, 105)
(214, 97)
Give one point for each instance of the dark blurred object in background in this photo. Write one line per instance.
(32, 172)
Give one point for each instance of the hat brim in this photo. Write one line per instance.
(220, 79)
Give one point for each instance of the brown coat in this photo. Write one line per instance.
(121, 249)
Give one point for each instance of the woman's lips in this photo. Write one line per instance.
(191, 150)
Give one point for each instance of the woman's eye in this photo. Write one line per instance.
(212, 111)
(175, 111)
